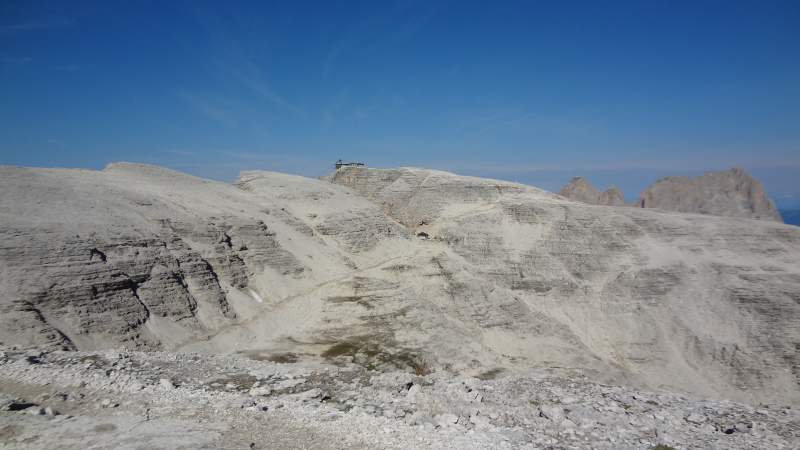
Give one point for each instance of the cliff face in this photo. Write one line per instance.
(580, 189)
(143, 257)
(611, 197)
(510, 276)
(732, 193)
(689, 301)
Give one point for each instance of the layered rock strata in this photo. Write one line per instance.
(398, 269)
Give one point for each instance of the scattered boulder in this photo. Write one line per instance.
(413, 393)
(260, 391)
(576, 412)
(310, 394)
(36, 411)
(551, 412)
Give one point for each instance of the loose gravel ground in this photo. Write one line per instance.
(135, 400)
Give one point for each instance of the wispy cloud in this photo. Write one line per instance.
(209, 109)
(249, 76)
(15, 61)
(378, 32)
(531, 122)
(247, 156)
(492, 121)
(333, 54)
(180, 152)
(234, 58)
(35, 25)
(66, 67)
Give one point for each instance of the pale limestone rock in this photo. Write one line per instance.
(611, 197)
(280, 266)
(261, 391)
(609, 284)
(732, 193)
(580, 189)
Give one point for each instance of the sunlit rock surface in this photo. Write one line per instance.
(580, 189)
(732, 193)
(399, 269)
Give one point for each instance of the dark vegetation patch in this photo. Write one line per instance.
(490, 374)
(283, 358)
(385, 321)
(398, 268)
(104, 428)
(276, 357)
(361, 300)
(537, 286)
(372, 353)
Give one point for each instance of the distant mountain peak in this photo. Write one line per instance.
(731, 193)
(580, 189)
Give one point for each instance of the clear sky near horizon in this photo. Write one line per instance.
(621, 92)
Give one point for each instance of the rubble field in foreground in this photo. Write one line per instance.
(114, 399)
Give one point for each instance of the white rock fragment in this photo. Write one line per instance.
(289, 383)
(35, 411)
(696, 418)
(554, 413)
(310, 394)
(261, 391)
(413, 393)
(446, 419)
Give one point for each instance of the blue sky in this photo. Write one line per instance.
(620, 92)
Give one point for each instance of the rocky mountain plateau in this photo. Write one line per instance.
(385, 308)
